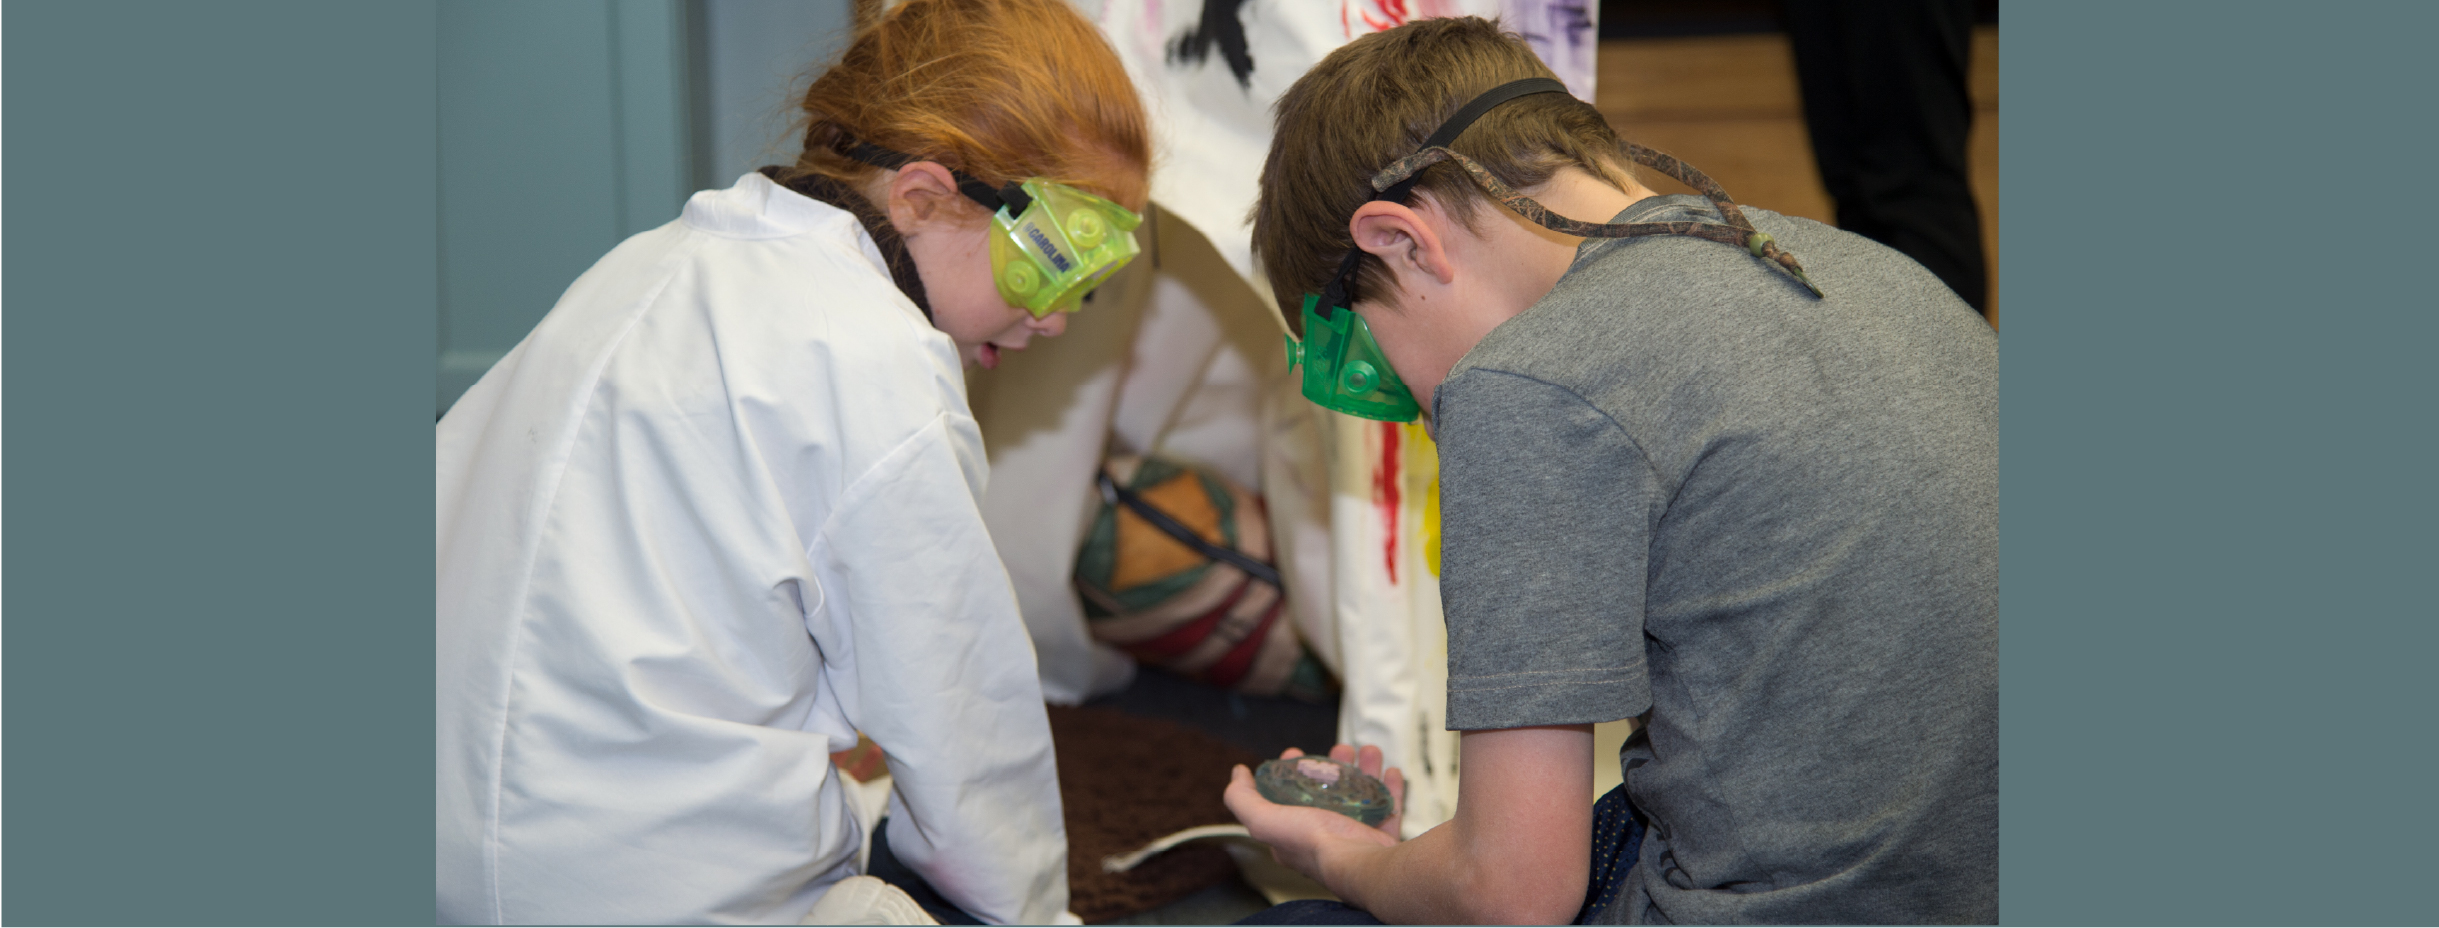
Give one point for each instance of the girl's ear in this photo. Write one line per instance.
(922, 194)
(1404, 240)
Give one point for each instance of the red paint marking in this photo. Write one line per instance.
(1393, 14)
(1384, 495)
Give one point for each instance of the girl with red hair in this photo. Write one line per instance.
(719, 512)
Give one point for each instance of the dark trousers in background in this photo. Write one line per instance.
(1887, 105)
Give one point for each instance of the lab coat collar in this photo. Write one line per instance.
(756, 208)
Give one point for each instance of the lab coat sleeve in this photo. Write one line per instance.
(918, 619)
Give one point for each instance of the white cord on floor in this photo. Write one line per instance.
(1120, 863)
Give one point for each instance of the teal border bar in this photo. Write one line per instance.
(2218, 428)
(218, 376)
(2218, 504)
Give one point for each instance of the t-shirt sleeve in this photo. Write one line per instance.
(1546, 510)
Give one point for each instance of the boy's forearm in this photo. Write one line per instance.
(1412, 882)
(1517, 851)
(1440, 878)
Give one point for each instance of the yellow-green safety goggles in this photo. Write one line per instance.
(1054, 243)
(1050, 243)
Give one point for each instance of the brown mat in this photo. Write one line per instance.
(1126, 780)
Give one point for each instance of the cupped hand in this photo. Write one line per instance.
(1297, 835)
(1369, 760)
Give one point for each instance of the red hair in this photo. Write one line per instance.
(1000, 89)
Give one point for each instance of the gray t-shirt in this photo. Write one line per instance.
(1680, 483)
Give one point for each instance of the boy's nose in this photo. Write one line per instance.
(1049, 326)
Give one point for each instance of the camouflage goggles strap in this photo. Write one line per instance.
(1737, 231)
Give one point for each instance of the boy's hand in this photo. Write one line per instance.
(1299, 836)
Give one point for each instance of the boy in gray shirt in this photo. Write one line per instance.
(1730, 471)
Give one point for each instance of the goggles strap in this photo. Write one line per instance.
(1340, 292)
(1010, 196)
(1397, 180)
(1737, 231)
(1341, 289)
(1464, 118)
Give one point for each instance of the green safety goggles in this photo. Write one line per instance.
(1344, 369)
(1050, 243)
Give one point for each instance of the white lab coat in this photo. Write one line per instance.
(713, 516)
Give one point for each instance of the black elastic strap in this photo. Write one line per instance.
(1011, 196)
(1338, 293)
(1465, 116)
(1341, 288)
(1110, 490)
(877, 156)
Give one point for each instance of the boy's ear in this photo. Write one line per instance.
(1403, 239)
(922, 193)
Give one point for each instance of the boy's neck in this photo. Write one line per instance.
(1575, 194)
(1504, 267)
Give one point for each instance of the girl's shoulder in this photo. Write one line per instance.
(763, 244)
(754, 208)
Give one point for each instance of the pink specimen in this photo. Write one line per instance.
(1316, 769)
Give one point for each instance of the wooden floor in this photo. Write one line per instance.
(1729, 105)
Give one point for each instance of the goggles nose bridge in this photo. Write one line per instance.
(1052, 243)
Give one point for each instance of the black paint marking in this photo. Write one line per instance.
(1219, 25)
(1567, 21)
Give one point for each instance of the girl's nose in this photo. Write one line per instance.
(1049, 326)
